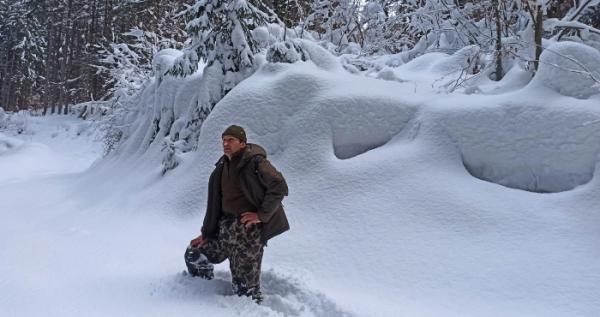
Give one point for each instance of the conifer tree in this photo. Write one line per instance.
(23, 53)
(220, 32)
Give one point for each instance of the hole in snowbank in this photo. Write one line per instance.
(537, 179)
(362, 124)
(537, 149)
(346, 151)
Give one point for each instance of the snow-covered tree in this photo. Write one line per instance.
(23, 52)
(290, 12)
(286, 51)
(220, 32)
(128, 70)
(129, 63)
(591, 15)
(336, 21)
(386, 28)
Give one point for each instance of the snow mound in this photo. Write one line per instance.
(437, 72)
(388, 74)
(8, 144)
(516, 78)
(425, 62)
(571, 69)
(320, 56)
(462, 60)
(443, 64)
(405, 221)
(410, 208)
(528, 147)
(303, 97)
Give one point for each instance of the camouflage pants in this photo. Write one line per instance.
(243, 248)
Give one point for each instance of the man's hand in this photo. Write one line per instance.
(249, 218)
(198, 242)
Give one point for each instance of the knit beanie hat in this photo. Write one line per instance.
(235, 131)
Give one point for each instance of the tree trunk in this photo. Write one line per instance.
(8, 83)
(539, 29)
(497, 17)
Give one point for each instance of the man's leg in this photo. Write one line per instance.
(199, 261)
(245, 261)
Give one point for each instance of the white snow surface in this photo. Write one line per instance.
(38, 150)
(164, 60)
(571, 69)
(403, 202)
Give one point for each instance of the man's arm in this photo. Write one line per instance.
(210, 225)
(275, 189)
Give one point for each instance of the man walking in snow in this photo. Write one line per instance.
(243, 211)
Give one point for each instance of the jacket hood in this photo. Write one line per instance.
(250, 151)
(253, 150)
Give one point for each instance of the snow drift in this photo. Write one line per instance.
(403, 202)
(401, 211)
(390, 172)
(528, 145)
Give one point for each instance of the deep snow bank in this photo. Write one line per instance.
(386, 218)
(291, 106)
(401, 215)
(528, 144)
(519, 140)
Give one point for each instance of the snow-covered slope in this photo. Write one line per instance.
(403, 202)
(405, 229)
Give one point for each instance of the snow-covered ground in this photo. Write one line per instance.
(40, 150)
(404, 201)
(93, 244)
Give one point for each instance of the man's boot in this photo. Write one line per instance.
(198, 264)
(241, 290)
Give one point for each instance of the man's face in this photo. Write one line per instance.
(232, 145)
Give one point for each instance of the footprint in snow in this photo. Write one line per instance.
(283, 296)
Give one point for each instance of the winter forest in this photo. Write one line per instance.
(442, 156)
(55, 54)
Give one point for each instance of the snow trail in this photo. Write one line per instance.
(64, 254)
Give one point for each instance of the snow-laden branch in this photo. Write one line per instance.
(552, 24)
(574, 15)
